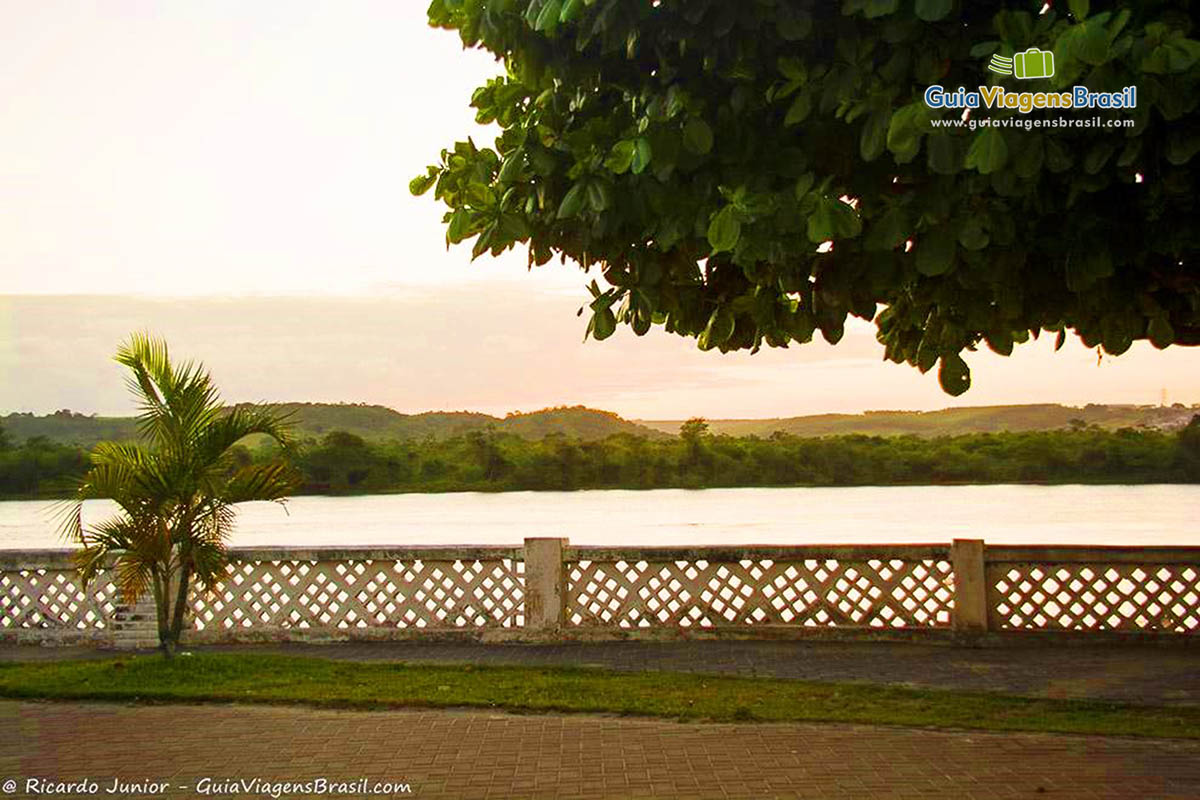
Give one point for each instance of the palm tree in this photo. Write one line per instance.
(177, 493)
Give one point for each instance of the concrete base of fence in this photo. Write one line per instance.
(55, 637)
(937, 637)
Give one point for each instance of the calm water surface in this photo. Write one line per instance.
(1145, 515)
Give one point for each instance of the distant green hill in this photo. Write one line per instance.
(377, 423)
(314, 420)
(950, 421)
(67, 427)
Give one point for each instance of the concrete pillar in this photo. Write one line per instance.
(545, 584)
(970, 586)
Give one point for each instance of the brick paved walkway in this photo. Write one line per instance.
(457, 754)
(1152, 674)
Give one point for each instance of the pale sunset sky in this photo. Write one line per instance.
(233, 176)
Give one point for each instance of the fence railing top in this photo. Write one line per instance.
(61, 558)
(464, 552)
(1120, 554)
(804, 552)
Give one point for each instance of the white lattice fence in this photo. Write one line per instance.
(282, 591)
(365, 593)
(808, 592)
(53, 597)
(1097, 596)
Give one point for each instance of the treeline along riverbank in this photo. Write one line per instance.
(489, 460)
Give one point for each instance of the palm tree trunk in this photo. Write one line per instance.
(181, 604)
(160, 584)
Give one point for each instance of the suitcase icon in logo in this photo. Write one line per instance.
(1034, 63)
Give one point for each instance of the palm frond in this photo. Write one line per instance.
(177, 402)
(133, 575)
(215, 522)
(111, 480)
(69, 513)
(90, 562)
(131, 543)
(148, 361)
(210, 564)
(116, 464)
(273, 481)
(238, 423)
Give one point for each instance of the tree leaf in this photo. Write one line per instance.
(989, 151)
(604, 322)
(943, 155)
(793, 69)
(1083, 271)
(954, 375)
(572, 203)
(804, 184)
(972, 236)
(1079, 8)
(620, 158)
(933, 10)
(547, 19)
(641, 155)
(874, 136)
(571, 10)
(799, 109)
(905, 129)
(1182, 144)
(697, 136)
(421, 184)
(720, 326)
(880, 8)
(1027, 161)
(887, 232)
(724, 230)
(935, 251)
(510, 170)
(597, 194)
(833, 219)
(1000, 342)
(1159, 332)
(821, 225)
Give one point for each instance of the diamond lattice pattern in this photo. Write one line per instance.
(362, 594)
(1117, 597)
(811, 593)
(55, 598)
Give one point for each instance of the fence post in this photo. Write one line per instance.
(970, 586)
(545, 584)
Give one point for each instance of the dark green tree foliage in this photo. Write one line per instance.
(342, 463)
(39, 468)
(1189, 449)
(698, 152)
(500, 461)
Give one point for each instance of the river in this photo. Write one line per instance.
(1003, 514)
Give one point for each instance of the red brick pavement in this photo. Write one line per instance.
(470, 754)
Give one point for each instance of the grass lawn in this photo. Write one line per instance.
(223, 677)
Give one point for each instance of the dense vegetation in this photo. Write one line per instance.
(748, 173)
(39, 467)
(342, 462)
